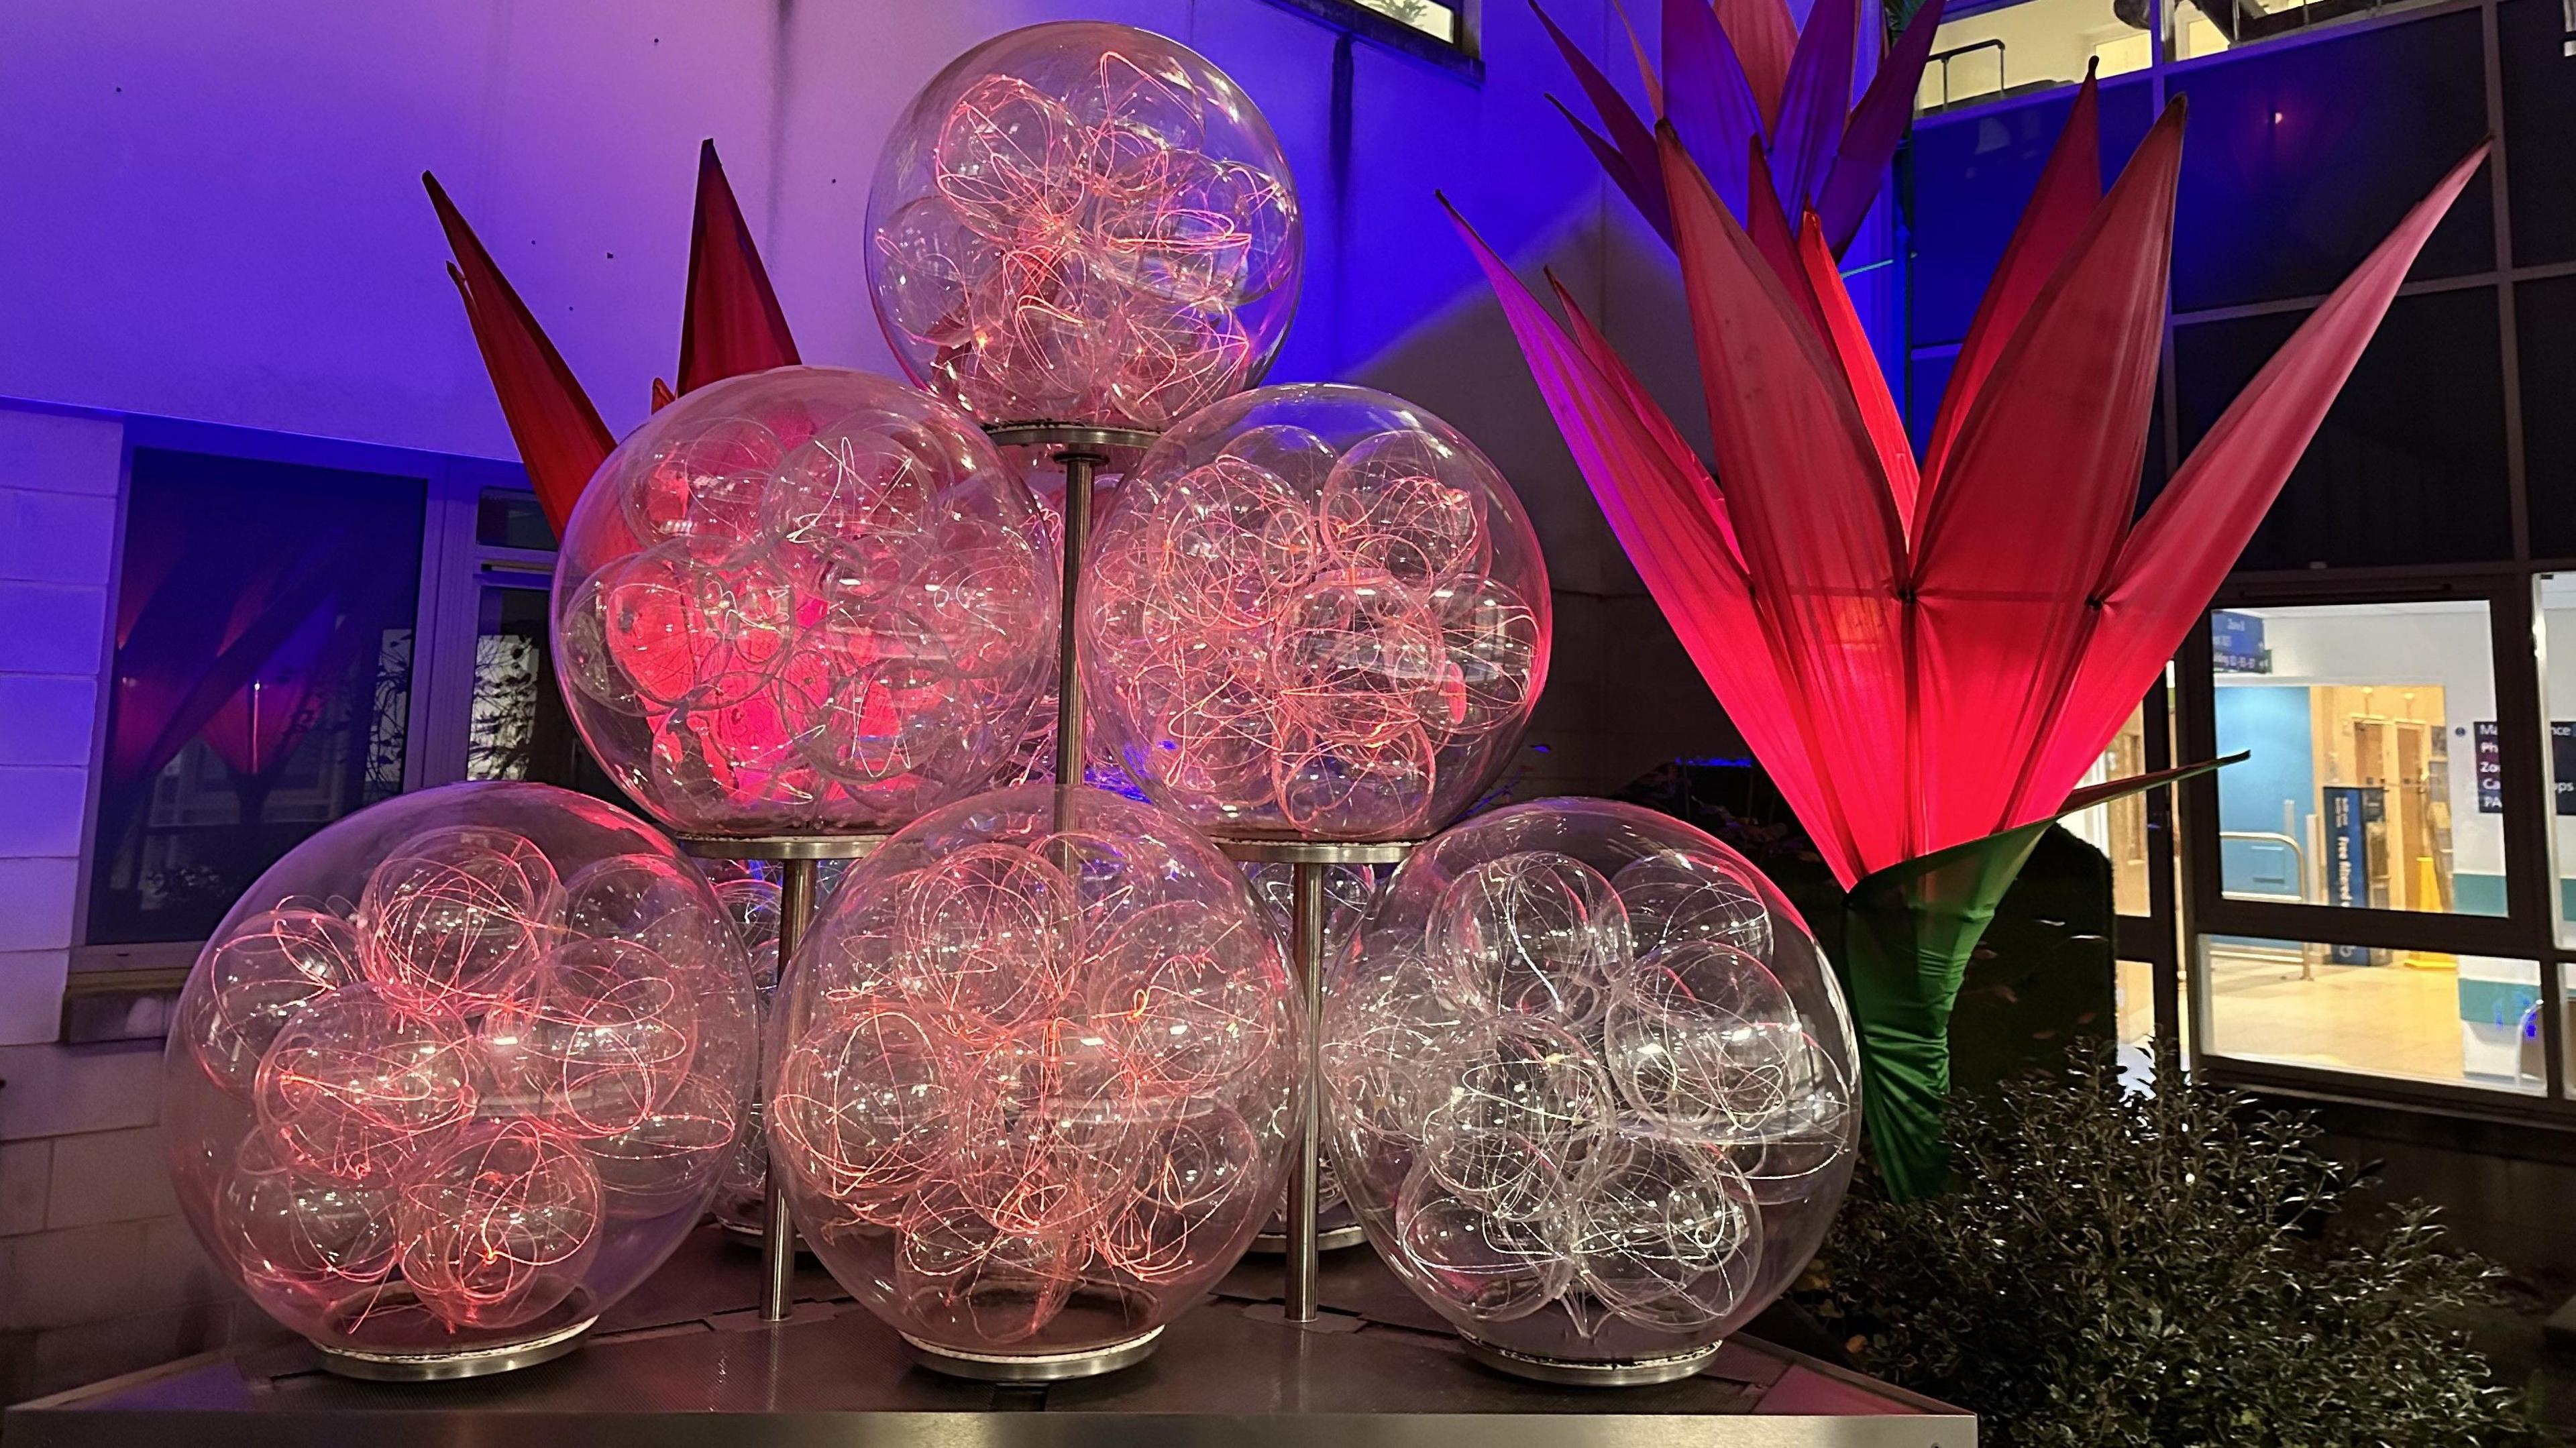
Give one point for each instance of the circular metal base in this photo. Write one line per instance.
(1635, 1372)
(1041, 1367)
(1067, 435)
(1315, 852)
(781, 847)
(1330, 1239)
(449, 1364)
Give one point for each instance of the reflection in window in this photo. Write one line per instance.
(518, 728)
(2409, 466)
(2471, 1020)
(2013, 49)
(262, 677)
(2558, 693)
(2372, 778)
(1431, 17)
(2303, 160)
(2118, 828)
(505, 518)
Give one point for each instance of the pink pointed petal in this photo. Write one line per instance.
(1811, 511)
(1657, 508)
(2177, 555)
(1639, 175)
(1877, 124)
(1647, 195)
(1645, 68)
(1707, 98)
(2042, 484)
(1772, 237)
(2069, 187)
(561, 439)
(1814, 107)
(1764, 38)
(1678, 456)
(1860, 364)
(732, 323)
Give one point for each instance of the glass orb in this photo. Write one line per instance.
(1317, 612)
(1083, 222)
(479, 1104)
(1039, 1076)
(1589, 1083)
(803, 600)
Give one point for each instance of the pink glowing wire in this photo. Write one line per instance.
(1290, 637)
(425, 1119)
(1034, 1063)
(1106, 236)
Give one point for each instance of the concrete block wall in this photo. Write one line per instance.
(60, 475)
(98, 1272)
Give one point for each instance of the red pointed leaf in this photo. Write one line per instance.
(1877, 124)
(2069, 187)
(1658, 509)
(662, 394)
(1646, 195)
(1812, 512)
(1777, 243)
(1816, 103)
(1645, 68)
(732, 323)
(1859, 362)
(1707, 99)
(1637, 172)
(2179, 552)
(2042, 483)
(1678, 456)
(1764, 37)
(561, 439)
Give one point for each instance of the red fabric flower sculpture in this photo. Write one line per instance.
(1928, 655)
(731, 324)
(1740, 79)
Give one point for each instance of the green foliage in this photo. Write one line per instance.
(2113, 1268)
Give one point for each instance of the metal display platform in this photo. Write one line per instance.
(1375, 1370)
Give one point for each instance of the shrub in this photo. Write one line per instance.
(2117, 1268)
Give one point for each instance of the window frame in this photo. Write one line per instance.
(454, 568)
(2526, 931)
(1463, 55)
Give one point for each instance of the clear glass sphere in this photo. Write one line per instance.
(1316, 612)
(1038, 1078)
(1589, 1082)
(1083, 222)
(460, 1070)
(803, 600)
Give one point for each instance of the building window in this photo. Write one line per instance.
(262, 682)
(2000, 49)
(1431, 17)
(2373, 777)
(1440, 31)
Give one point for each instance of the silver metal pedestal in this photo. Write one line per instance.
(1301, 1242)
(799, 858)
(447, 1366)
(685, 1361)
(1039, 1367)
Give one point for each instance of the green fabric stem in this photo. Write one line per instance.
(1908, 933)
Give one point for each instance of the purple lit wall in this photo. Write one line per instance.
(212, 213)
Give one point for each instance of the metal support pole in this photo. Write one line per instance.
(778, 1230)
(1306, 948)
(1068, 686)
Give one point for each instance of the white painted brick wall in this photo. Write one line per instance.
(59, 479)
